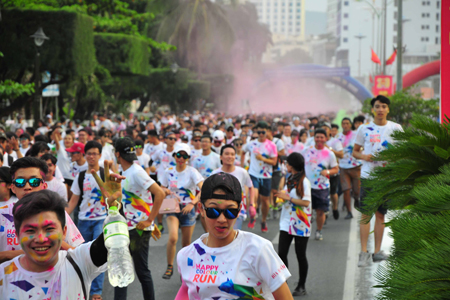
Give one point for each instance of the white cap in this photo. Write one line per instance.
(295, 118)
(218, 135)
(182, 147)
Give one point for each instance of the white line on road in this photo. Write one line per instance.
(350, 271)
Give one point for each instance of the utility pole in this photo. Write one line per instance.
(399, 45)
(359, 37)
(384, 36)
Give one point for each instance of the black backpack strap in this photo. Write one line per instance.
(10, 160)
(81, 176)
(102, 174)
(77, 269)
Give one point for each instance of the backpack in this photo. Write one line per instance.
(81, 179)
(10, 160)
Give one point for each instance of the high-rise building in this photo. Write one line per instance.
(283, 17)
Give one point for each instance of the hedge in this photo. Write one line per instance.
(70, 50)
(122, 54)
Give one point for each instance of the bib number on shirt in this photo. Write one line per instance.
(115, 228)
(173, 184)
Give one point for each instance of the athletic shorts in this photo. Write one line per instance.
(334, 182)
(351, 179)
(364, 191)
(185, 220)
(262, 184)
(276, 178)
(68, 181)
(320, 199)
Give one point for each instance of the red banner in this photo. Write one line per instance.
(445, 60)
(384, 85)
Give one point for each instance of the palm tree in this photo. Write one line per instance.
(416, 180)
(195, 27)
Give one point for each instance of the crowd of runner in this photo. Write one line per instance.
(290, 167)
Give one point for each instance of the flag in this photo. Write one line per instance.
(370, 78)
(375, 57)
(391, 58)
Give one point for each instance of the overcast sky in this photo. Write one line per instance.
(316, 5)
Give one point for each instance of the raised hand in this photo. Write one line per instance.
(111, 189)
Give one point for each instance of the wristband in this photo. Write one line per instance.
(290, 200)
(328, 172)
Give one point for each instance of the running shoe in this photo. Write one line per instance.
(319, 235)
(364, 259)
(169, 272)
(264, 227)
(299, 291)
(335, 214)
(349, 216)
(379, 256)
(251, 223)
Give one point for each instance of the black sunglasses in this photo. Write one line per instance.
(179, 155)
(254, 138)
(172, 138)
(261, 132)
(214, 213)
(21, 182)
(196, 140)
(238, 144)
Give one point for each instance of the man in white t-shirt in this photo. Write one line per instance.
(28, 177)
(92, 208)
(374, 138)
(143, 159)
(79, 162)
(227, 158)
(296, 124)
(163, 158)
(208, 161)
(107, 148)
(140, 212)
(263, 156)
(320, 164)
(218, 139)
(24, 143)
(45, 270)
(229, 135)
(196, 144)
(53, 184)
(286, 137)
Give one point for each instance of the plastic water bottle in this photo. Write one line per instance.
(117, 239)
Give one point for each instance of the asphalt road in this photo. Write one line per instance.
(328, 260)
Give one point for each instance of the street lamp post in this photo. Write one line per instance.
(399, 45)
(359, 37)
(39, 39)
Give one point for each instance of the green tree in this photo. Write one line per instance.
(416, 180)
(404, 105)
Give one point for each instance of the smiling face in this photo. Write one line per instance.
(228, 156)
(93, 156)
(320, 139)
(206, 143)
(27, 173)
(41, 236)
(181, 160)
(51, 170)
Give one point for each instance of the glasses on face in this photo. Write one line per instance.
(172, 138)
(92, 154)
(196, 140)
(254, 137)
(107, 136)
(73, 153)
(21, 182)
(214, 213)
(179, 155)
(238, 144)
(138, 146)
(261, 132)
(23, 139)
(230, 130)
(217, 142)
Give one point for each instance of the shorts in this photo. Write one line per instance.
(382, 209)
(263, 185)
(334, 182)
(320, 199)
(351, 179)
(155, 178)
(68, 181)
(276, 178)
(185, 220)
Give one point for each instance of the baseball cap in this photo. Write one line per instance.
(228, 183)
(182, 147)
(185, 138)
(3, 136)
(295, 118)
(218, 135)
(152, 132)
(76, 147)
(126, 148)
(197, 134)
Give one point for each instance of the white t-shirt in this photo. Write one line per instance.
(267, 149)
(206, 164)
(374, 139)
(315, 162)
(163, 159)
(296, 219)
(107, 154)
(24, 150)
(195, 153)
(280, 146)
(107, 124)
(93, 206)
(60, 282)
(137, 200)
(248, 266)
(64, 162)
(10, 241)
(143, 160)
(183, 184)
(75, 168)
(244, 179)
(58, 187)
(151, 149)
(348, 142)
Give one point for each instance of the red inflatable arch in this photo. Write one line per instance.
(422, 72)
